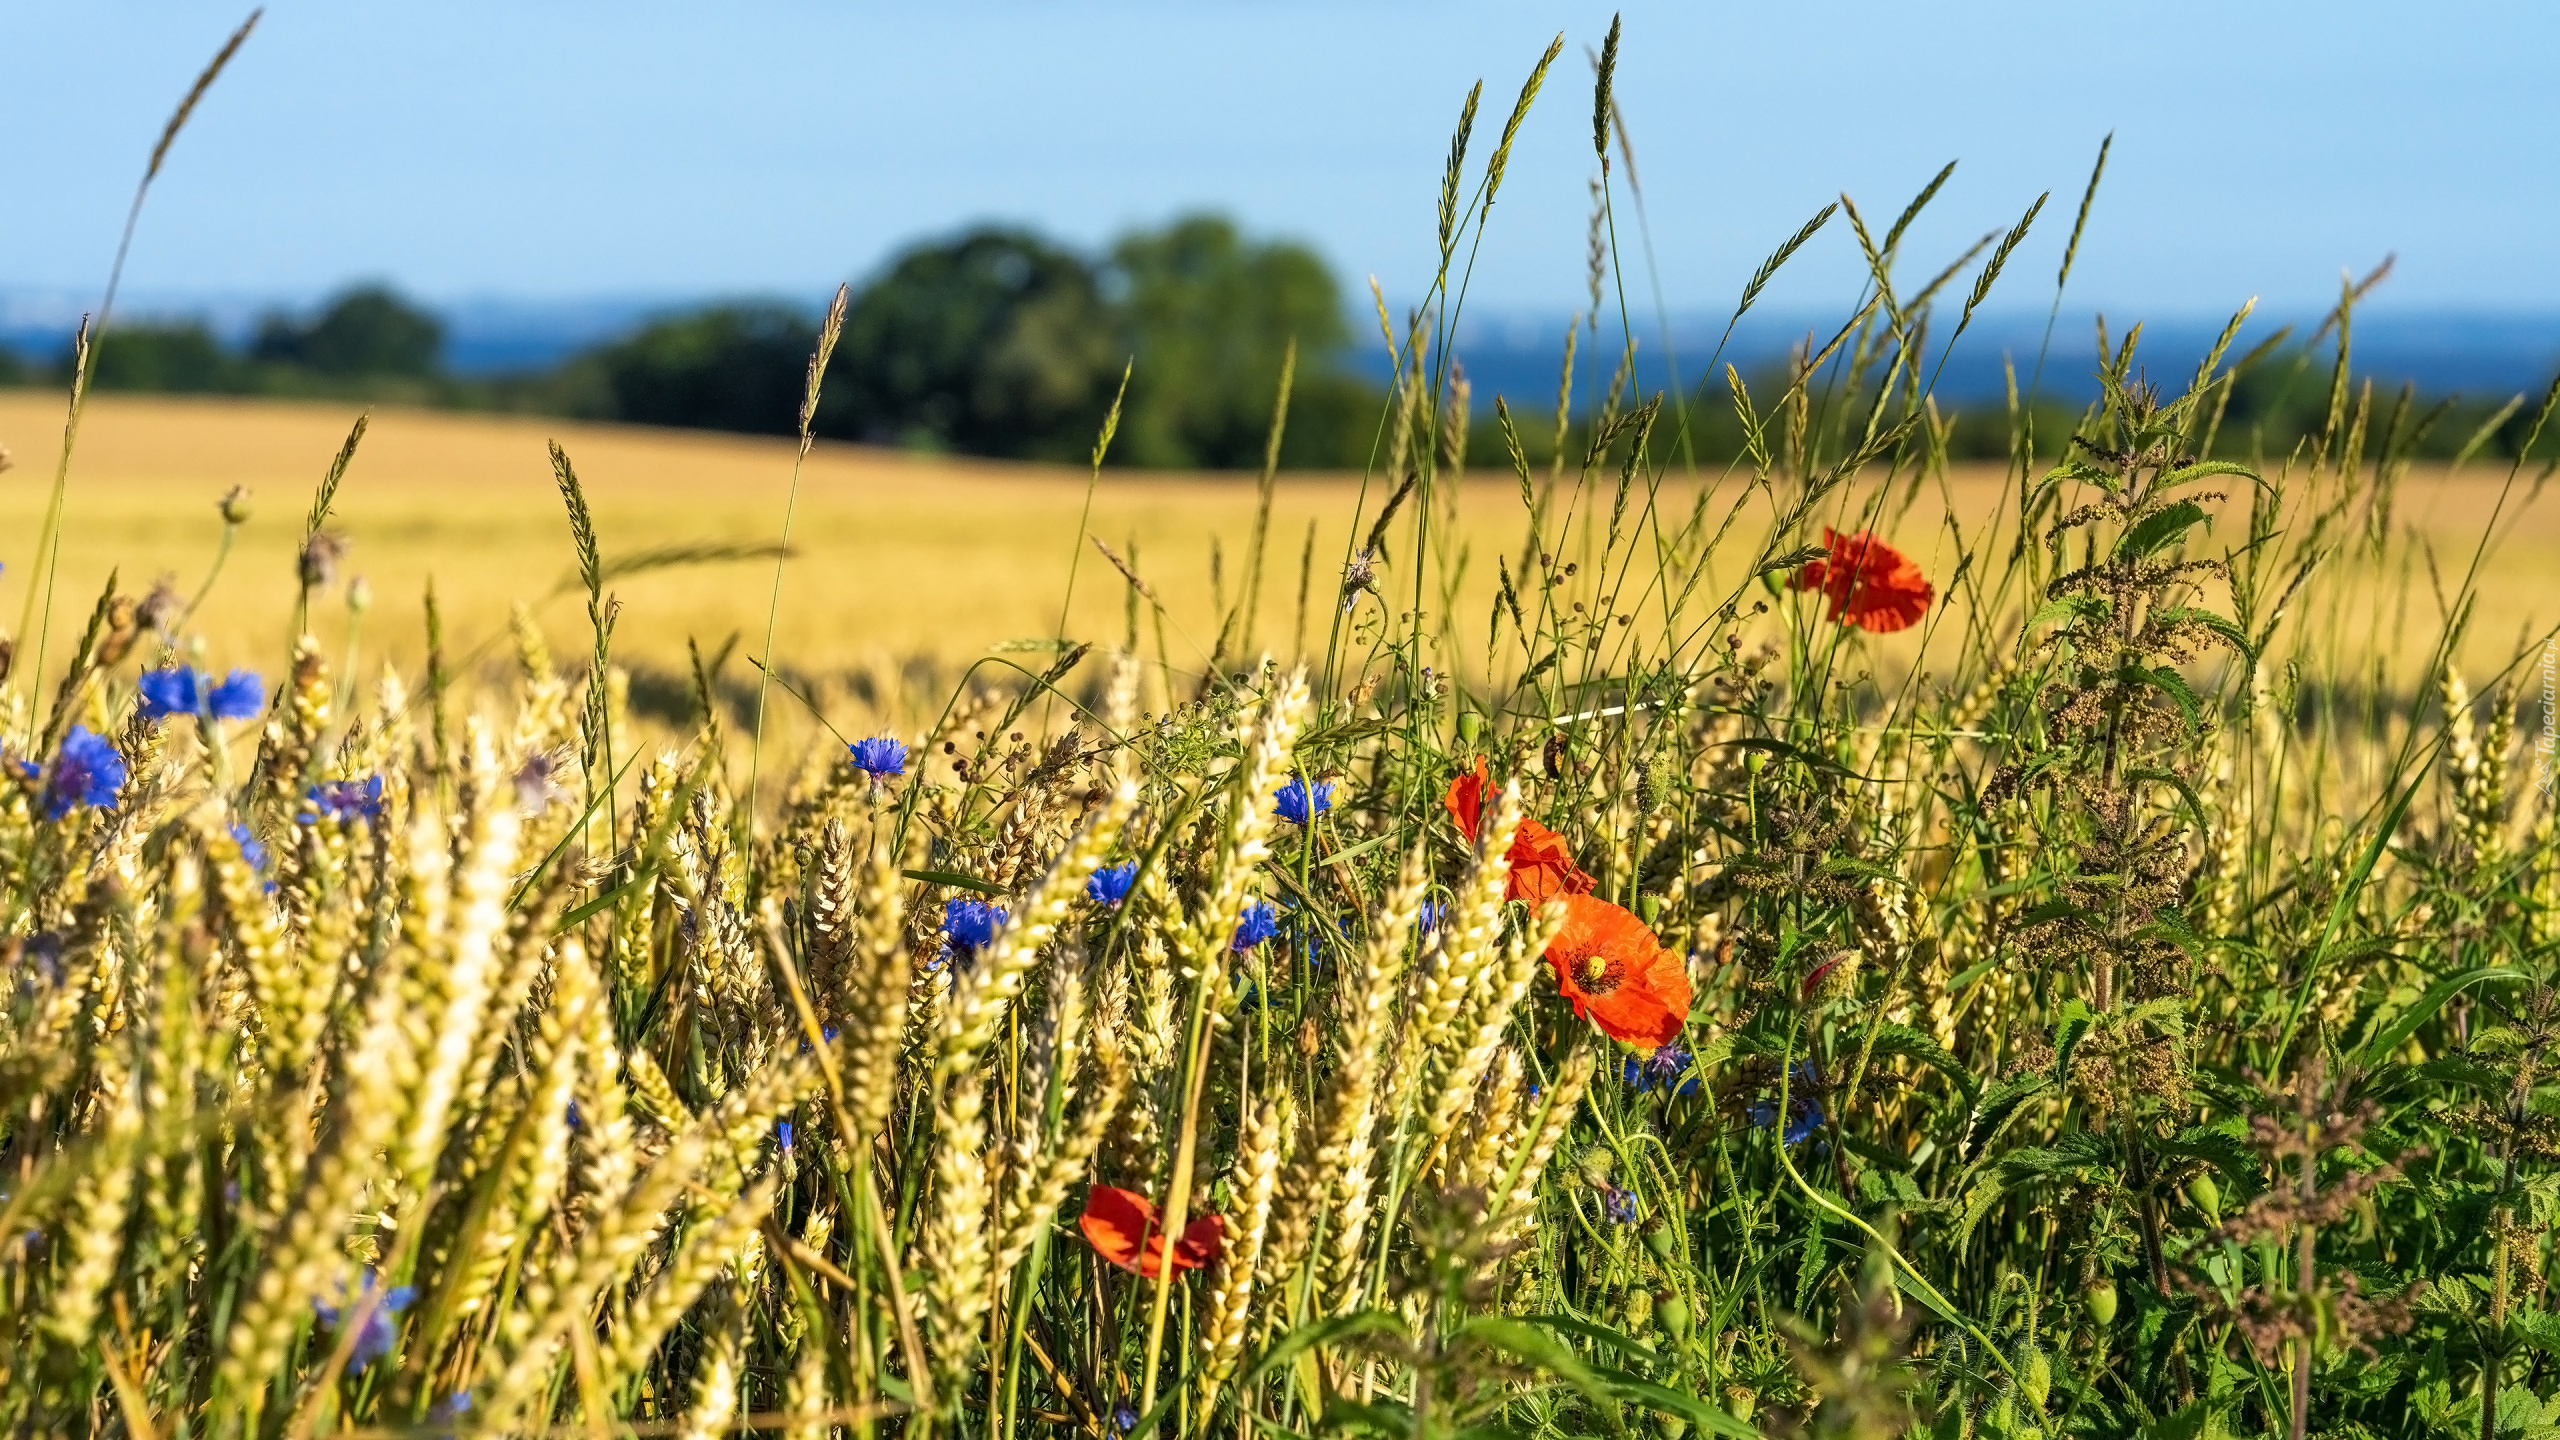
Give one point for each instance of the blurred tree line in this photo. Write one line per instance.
(999, 342)
(993, 342)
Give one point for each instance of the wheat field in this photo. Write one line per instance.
(898, 558)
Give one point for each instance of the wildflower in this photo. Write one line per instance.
(1617, 974)
(1121, 1227)
(87, 771)
(163, 607)
(1868, 583)
(1358, 575)
(189, 691)
(1124, 1416)
(575, 1120)
(782, 1134)
(1110, 884)
(537, 780)
(968, 925)
(1617, 1205)
(252, 851)
(343, 800)
(1427, 919)
(880, 757)
(1540, 867)
(1834, 979)
(1804, 1112)
(318, 562)
(1258, 923)
(378, 1335)
(1667, 1066)
(1297, 803)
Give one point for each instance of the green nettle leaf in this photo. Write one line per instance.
(2172, 684)
(2221, 626)
(2159, 529)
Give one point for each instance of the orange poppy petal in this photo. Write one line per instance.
(1465, 800)
(1616, 974)
(1868, 583)
(1202, 1239)
(1116, 1222)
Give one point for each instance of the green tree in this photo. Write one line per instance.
(365, 331)
(995, 342)
(183, 357)
(1209, 314)
(735, 367)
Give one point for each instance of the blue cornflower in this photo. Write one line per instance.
(252, 850)
(575, 1121)
(1258, 923)
(1804, 1113)
(379, 1335)
(1297, 803)
(1124, 1416)
(782, 1132)
(189, 691)
(1667, 1066)
(1429, 918)
(1617, 1206)
(880, 757)
(1110, 884)
(344, 800)
(87, 771)
(967, 925)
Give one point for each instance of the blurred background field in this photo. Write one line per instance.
(916, 566)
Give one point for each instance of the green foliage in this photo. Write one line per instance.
(366, 331)
(1209, 315)
(734, 367)
(995, 342)
(2093, 1034)
(182, 358)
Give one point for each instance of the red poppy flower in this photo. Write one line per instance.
(1540, 868)
(1870, 584)
(1617, 974)
(1121, 1227)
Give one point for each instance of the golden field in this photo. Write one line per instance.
(897, 558)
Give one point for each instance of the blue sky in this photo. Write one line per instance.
(550, 151)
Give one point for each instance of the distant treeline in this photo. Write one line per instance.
(1002, 343)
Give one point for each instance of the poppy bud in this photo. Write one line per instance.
(1833, 979)
(2102, 1303)
(1660, 1241)
(1676, 1317)
(235, 505)
(2207, 1195)
(1470, 725)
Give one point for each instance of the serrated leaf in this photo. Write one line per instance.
(2223, 629)
(2159, 529)
(2174, 685)
(2219, 1146)
(2070, 607)
(1912, 1044)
